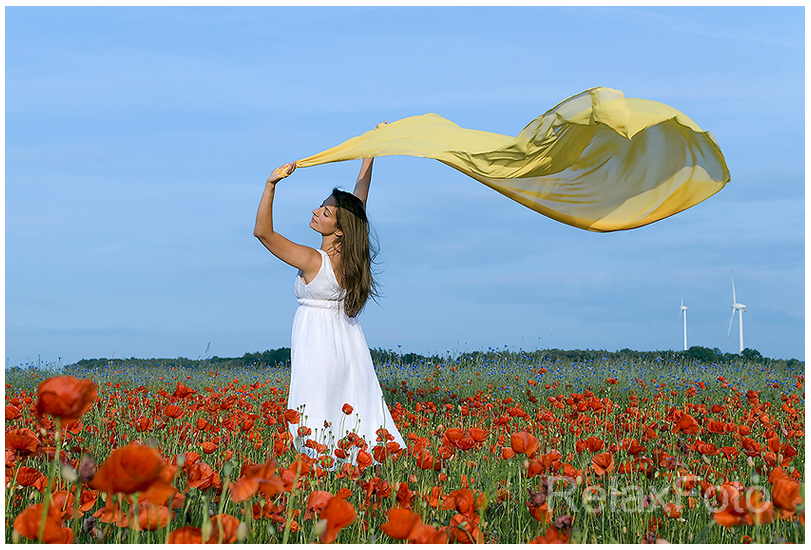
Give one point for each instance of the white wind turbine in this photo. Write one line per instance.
(684, 310)
(735, 308)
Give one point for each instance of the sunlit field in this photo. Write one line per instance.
(503, 447)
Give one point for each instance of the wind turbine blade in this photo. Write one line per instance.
(730, 324)
(734, 301)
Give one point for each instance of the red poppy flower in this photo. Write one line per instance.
(173, 411)
(87, 500)
(182, 391)
(22, 441)
(12, 413)
(524, 443)
(466, 443)
(152, 517)
(347, 408)
(383, 435)
(445, 452)
(143, 424)
(28, 524)
(316, 503)
(426, 461)
(462, 500)
(303, 431)
(129, 469)
(404, 495)
(478, 434)
(292, 416)
(786, 496)
(593, 444)
(672, 510)
(202, 476)
(433, 499)
(31, 477)
(428, 534)
(558, 533)
(455, 434)
(224, 529)
(186, 535)
(729, 452)
(401, 524)
(209, 447)
(465, 531)
(602, 463)
(259, 478)
(65, 397)
(244, 489)
(635, 449)
(339, 514)
(364, 459)
(716, 427)
(111, 513)
(686, 424)
(247, 424)
(733, 507)
(62, 503)
(542, 513)
(760, 513)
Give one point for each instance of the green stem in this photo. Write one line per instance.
(10, 496)
(120, 507)
(47, 501)
(134, 523)
(293, 492)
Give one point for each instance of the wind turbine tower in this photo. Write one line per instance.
(684, 311)
(736, 307)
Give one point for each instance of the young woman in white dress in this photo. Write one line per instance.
(330, 361)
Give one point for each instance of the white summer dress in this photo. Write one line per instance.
(330, 366)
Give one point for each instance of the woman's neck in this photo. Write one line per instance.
(331, 245)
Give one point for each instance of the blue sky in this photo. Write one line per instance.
(138, 141)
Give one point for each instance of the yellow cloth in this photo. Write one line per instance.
(597, 160)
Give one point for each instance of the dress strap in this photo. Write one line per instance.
(327, 262)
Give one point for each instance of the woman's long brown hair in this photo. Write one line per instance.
(357, 252)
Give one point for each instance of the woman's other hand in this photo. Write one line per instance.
(281, 172)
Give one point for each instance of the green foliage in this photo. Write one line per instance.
(280, 358)
(700, 353)
(751, 353)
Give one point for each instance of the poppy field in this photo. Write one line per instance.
(502, 447)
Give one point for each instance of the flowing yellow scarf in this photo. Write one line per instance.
(597, 161)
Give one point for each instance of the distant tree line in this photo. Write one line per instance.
(280, 358)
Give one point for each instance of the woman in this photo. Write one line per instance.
(330, 362)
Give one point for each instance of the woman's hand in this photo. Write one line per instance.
(281, 172)
(381, 124)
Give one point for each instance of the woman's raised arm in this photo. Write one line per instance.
(364, 180)
(365, 176)
(307, 259)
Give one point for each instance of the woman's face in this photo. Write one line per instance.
(324, 220)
